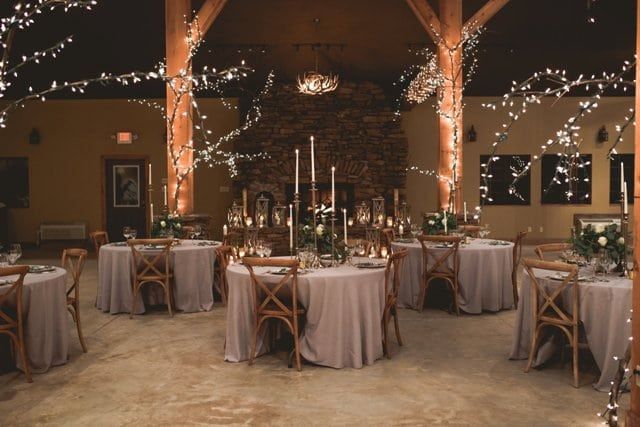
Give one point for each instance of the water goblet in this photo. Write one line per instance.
(126, 232)
(133, 233)
(15, 253)
(4, 260)
(197, 230)
(267, 248)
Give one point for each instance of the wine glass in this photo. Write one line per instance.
(4, 260)
(267, 248)
(133, 233)
(126, 232)
(15, 253)
(197, 231)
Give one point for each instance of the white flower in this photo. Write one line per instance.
(598, 228)
(163, 224)
(602, 241)
(621, 240)
(437, 215)
(178, 225)
(444, 221)
(431, 222)
(320, 230)
(170, 216)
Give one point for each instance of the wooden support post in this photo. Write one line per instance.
(177, 18)
(633, 415)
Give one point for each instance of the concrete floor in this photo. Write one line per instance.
(154, 370)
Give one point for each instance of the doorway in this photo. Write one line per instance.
(125, 195)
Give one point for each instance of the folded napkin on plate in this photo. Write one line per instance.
(41, 268)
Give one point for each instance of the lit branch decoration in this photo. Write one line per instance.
(419, 82)
(570, 167)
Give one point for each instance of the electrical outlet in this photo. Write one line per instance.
(541, 229)
(529, 229)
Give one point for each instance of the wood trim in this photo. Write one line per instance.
(207, 15)
(103, 183)
(482, 16)
(427, 17)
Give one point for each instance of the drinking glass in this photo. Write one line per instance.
(197, 230)
(267, 248)
(126, 232)
(15, 253)
(133, 233)
(415, 230)
(4, 260)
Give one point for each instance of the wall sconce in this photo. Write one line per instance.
(472, 136)
(34, 137)
(124, 137)
(603, 135)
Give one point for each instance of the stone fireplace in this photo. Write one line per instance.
(355, 130)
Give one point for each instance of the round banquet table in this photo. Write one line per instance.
(344, 307)
(604, 306)
(46, 327)
(484, 277)
(192, 263)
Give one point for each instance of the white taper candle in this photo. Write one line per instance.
(297, 169)
(626, 206)
(333, 189)
(313, 163)
(150, 174)
(344, 213)
(621, 177)
(291, 227)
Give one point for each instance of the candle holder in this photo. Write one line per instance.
(624, 230)
(334, 262)
(314, 196)
(296, 203)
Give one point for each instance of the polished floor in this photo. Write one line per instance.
(156, 370)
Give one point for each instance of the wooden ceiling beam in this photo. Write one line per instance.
(207, 15)
(427, 17)
(484, 14)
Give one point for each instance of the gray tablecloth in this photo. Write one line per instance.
(484, 276)
(604, 310)
(192, 267)
(344, 314)
(46, 331)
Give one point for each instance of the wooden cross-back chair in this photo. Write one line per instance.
(389, 236)
(373, 235)
(366, 243)
(186, 231)
(73, 262)
(434, 265)
(517, 256)
(471, 230)
(551, 247)
(549, 309)
(151, 268)
(223, 258)
(233, 238)
(11, 322)
(276, 301)
(392, 282)
(98, 238)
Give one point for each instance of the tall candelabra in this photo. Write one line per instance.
(624, 229)
(334, 262)
(314, 201)
(296, 202)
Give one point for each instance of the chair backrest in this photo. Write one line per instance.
(550, 304)
(186, 231)
(367, 246)
(471, 230)
(73, 261)
(517, 248)
(372, 235)
(389, 236)
(223, 256)
(435, 259)
(552, 247)
(233, 238)
(99, 238)
(394, 265)
(151, 265)
(278, 294)
(14, 290)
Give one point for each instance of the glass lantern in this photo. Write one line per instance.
(363, 214)
(262, 212)
(403, 214)
(234, 215)
(379, 214)
(279, 215)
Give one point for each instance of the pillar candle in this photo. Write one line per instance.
(465, 211)
(344, 213)
(149, 173)
(297, 169)
(621, 177)
(291, 227)
(333, 189)
(313, 163)
(626, 207)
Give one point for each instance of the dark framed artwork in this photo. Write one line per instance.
(126, 186)
(502, 169)
(614, 177)
(555, 193)
(14, 182)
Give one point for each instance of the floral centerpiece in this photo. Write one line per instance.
(594, 239)
(322, 234)
(168, 225)
(434, 223)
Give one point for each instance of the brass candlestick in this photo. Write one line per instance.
(334, 263)
(314, 201)
(624, 229)
(296, 202)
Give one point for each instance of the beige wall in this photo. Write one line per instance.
(65, 169)
(526, 137)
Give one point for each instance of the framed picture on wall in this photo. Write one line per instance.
(555, 193)
(502, 170)
(14, 182)
(614, 177)
(126, 186)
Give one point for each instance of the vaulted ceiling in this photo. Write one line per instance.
(525, 36)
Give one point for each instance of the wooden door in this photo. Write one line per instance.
(125, 196)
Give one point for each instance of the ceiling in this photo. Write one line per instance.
(525, 36)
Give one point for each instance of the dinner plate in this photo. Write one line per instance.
(561, 277)
(118, 244)
(370, 265)
(41, 268)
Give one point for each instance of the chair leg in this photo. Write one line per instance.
(133, 301)
(254, 348)
(534, 349)
(168, 295)
(223, 289)
(514, 282)
(79, 327)
(423, 295)
(574, 343)
(296, 343)
(20, 344)
(385, 333)
(454, 296)
(397, 325)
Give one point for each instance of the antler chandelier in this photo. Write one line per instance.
(316, 83)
